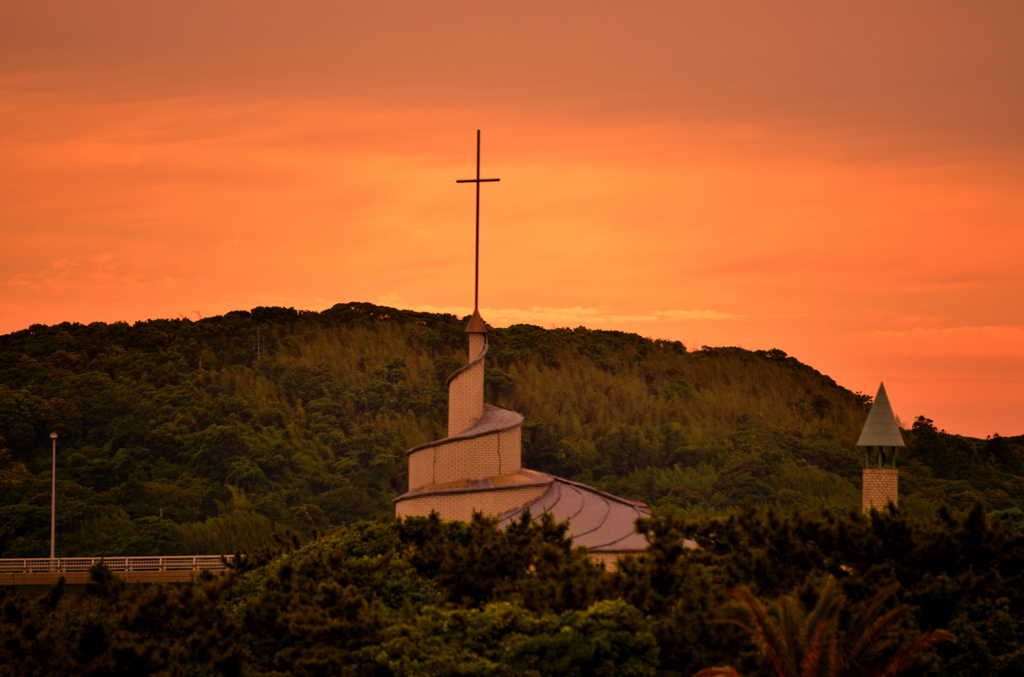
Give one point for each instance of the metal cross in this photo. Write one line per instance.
(477, 181)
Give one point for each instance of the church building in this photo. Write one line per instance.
(478, 467)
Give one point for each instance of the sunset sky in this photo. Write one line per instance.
(844, 182)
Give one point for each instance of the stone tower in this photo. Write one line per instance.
(880, 436)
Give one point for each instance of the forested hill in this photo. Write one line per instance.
(204, 437)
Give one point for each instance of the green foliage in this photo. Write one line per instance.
(798, 643)
(843, 592)
(163, 422)
(175, 439)
(114, 629)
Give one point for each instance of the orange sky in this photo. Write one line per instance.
(843, 183)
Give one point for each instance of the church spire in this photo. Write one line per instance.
(881, 429)
(476, 324)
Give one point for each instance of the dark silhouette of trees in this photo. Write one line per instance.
(814, 593)
(820, 642)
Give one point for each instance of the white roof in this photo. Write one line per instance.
(881, 429)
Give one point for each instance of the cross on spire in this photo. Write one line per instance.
(477, 181)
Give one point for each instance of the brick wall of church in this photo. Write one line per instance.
(421, 468)
(881, 485)
(511, 450)
(466, 391)
(497, 453)
(462, 506)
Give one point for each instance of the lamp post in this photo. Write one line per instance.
(53, 505)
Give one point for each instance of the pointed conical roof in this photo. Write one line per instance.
(476, 324)
(881, 429)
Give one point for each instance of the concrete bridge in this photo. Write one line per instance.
(45, 572)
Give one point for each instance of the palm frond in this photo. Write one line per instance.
(901, 660)
(749, 613)
(727, 671)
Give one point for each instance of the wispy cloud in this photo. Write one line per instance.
(568, 317)
(990, 340)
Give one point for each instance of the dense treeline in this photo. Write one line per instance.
(844, 594)
(208, 436)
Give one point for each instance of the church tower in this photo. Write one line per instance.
(881, 436)
(478, 466)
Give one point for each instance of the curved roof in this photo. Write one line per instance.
(881, 429)
(495, 419)
(520, 478)
(600, 521)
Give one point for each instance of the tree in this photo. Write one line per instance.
(799, 644)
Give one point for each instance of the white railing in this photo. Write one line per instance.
(68, 564)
